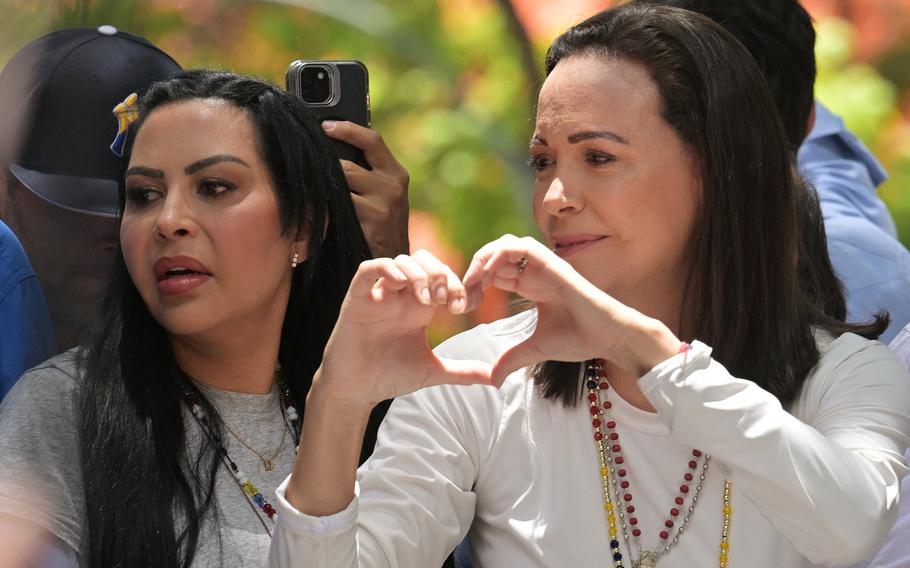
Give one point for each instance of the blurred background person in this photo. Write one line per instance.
(873, 266)
(59, 183)
(26, 336)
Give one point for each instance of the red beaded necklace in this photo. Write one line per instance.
(615, 483)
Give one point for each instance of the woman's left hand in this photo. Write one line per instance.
(576, 320)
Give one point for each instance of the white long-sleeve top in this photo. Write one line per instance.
(815, 486)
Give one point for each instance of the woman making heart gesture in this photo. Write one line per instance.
(676, 397)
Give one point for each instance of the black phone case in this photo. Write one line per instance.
(352, 104)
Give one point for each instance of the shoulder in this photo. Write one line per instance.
(852, 369)
(901, 346)
(850, 349)
(14, 265)
(858, 357)
(50, 384)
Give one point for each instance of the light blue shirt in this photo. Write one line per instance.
(26, 335)
(862, 240)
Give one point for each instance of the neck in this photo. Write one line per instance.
(242, 364)
(626, 386)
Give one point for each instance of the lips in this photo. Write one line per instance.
(567, 245)
(179, 274)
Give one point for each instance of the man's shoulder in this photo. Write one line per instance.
(14, 265)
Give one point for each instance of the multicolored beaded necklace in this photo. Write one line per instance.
(292, 422)
(615, 482)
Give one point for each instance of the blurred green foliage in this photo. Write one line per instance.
(448, 90)
(867, 97)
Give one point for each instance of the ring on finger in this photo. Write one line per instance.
(522, 263)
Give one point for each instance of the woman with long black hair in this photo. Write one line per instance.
(161, 442)
(684, 392)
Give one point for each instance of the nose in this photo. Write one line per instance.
(175, 219)
(560, 200)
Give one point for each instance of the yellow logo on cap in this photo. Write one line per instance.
(126, 112)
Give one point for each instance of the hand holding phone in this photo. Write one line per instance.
(380, 194)
(338, 91)
(334, 90)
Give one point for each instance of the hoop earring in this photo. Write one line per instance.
(295, 260)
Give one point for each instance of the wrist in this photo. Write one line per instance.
(649, 343)
(325, 471)
(333, 399)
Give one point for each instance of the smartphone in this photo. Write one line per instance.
(334, 90)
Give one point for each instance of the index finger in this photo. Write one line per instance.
(374, 148)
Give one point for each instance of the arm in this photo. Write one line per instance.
(378, 350)
(26, 335)
(414, 498)
(829, 481)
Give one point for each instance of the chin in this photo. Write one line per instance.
(595, 272)
(184, 320)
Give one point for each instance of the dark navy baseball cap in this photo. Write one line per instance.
(57, 97)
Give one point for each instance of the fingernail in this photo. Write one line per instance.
(440, 293)
(328, 124)
(458, 305)
(425, 296)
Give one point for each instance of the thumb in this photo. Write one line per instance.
(522, 355)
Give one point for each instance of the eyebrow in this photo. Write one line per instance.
(144, 171)
(212, 160)
(582, 136)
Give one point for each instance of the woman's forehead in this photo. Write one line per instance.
(592, 89)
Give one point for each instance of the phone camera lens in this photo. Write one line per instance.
(316, 85)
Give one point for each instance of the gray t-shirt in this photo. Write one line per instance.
(41, 478)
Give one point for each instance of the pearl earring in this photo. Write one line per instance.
(296, 260)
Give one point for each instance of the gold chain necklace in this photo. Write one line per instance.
(267, 463)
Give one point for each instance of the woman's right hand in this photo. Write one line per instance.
(380, 194)
(378, 349)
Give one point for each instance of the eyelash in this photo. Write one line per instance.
(599, 158)
(540, 162)
(205, 187)
(208, 187)
(139, 196)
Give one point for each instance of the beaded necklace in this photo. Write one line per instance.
(615, 483)
(292, 422)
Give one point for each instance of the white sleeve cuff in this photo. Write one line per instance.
(674, 370)
(304, 524)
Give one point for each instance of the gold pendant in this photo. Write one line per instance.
(267, 463)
